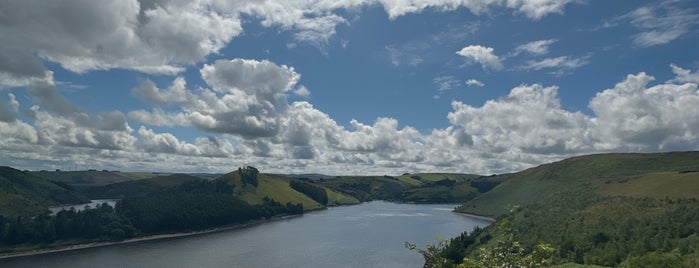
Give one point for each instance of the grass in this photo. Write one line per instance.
(656, 185)
(422, 178)
(340, 198)
(277, 188)
(528, 186)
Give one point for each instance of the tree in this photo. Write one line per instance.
(508, 253)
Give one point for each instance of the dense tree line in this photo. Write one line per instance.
(192, 206)
(248, 175)
(314, 192)
(271, 207)
(182, 211)
(587, 228)
(101, 223)
(506, 252)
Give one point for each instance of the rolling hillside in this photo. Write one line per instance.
(22, 193)
(277, 187)
(607, 209)
(90, 178)
(603, 172)
(417, 188)
(140, 187)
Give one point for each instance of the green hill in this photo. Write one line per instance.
(417, 188)
(140, 187)
(590, 171)
(90, 178)
(22, 193)
(277, 187)
(606, 209)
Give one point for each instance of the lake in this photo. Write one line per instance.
(80, 207)
(367, 235)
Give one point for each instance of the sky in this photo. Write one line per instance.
(343, 87)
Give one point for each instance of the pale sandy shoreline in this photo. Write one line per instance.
(140, 239)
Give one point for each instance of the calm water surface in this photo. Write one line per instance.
(367, 235)
(80, 207)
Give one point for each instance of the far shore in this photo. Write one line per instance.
(142, 238)
(183, 234)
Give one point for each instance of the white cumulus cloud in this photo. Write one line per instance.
(246, 98)
(683, 75)
(482, 55)
(474, 82)
(635, 116)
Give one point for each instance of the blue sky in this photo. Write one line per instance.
(343, 87)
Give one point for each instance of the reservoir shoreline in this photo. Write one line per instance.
(88, 245)
(332, 237)
(143, 238)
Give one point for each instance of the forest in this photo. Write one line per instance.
(585, 228)
(314, 192)
(191, 207)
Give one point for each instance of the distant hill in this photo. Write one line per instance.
(307, 176)
(140, 187)
(417, 188)
(89, 178)
(22, 193)
(653, 175)
(277, 187)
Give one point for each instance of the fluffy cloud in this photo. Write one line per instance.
(157, 38)
(302, 91)
(247, 118)
(163, 36)
(525, 128)
(634, 116)
(532, 9)
(17, 132)
(530, 118)
(246, 99)
(262, 78)
(103, 131)
(151, 142)
(8, 109)
(684, 75)
(482, 55)
(474, 82)
(539, 9)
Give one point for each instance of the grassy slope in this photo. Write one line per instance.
(420, 188)
(656, 185)
(87, 178)
(22, 193)
(621, 196)
(533, 184)
(277, 187)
